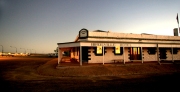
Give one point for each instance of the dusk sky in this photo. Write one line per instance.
(41, 24)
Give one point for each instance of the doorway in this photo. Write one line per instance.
(85, 54)
(162, 53)
(135, 53)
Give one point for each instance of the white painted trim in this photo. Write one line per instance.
(130, 35)
(141, 55)
(65, 45)
(58, 56)
(103, 55)
(80, 55)
(172, 54)
(132, 40)
(94, 44)
(85, 44)
(124, 55)
(138, 45)
(166, 45)
(116, 44)
(157, 52)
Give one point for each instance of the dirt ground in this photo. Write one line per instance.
(41, 74)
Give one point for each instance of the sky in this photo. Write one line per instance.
(38, 25)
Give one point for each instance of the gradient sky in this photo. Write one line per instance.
(41, 24)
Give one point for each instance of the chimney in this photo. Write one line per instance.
(175, 31)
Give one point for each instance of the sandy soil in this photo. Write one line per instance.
(74, 69)
(39, 74)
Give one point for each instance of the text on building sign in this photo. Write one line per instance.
(102, 44)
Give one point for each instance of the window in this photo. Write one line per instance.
(99, 50)
(118, 50)
(151, 51)
(175, 50)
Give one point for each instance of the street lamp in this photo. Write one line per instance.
(24, 49)
(2, 50)
(30, 50)
(14, 47)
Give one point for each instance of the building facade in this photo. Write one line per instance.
(107, 47)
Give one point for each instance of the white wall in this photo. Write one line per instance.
(126, 52)
(175, 56)
(169, 55)
(148, 57)
(108, 57)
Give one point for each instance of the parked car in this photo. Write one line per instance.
(53, 55)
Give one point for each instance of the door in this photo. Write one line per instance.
(162, 53)
(135, 53)
(84, 54)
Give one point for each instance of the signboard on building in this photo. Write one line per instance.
(117, 50)
(99, 49)
(122, 45)
(102, 44)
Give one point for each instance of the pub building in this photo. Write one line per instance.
(109, 47)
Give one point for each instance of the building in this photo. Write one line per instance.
(107, 47)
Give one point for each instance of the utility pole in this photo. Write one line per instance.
(2, 50)
(14, 47)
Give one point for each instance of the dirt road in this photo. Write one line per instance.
(37, 74)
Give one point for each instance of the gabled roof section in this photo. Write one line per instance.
(77, 37)
(115, 35)
(99, 34)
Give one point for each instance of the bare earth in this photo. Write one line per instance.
(41, 74)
